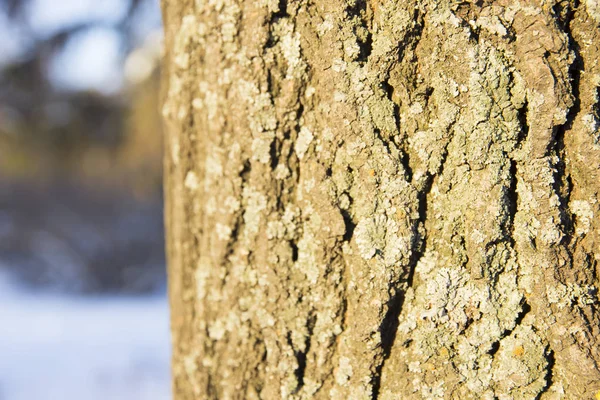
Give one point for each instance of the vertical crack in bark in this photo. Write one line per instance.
(234, 237)
(350, 225)
(405, 158)
(386, 143)
(524, 131)
(513, 202)
(281, 13)
(294, 247)
(301, 355)
(389, 326)
(525, 309)
(595, 111)
(365, 41)
(405, 161)
(562, 184)
(549, 372)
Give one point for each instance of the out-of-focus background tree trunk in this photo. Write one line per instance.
(383, 199)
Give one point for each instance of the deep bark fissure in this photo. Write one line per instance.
(238, 222)
(595, 112)
(389, 324)
(562, 182)
(525, 309)
(405, 161)
(294, 247)
(281, 13)
(301, 355)
(386, 143)
(350, 225)
(405, 157)
(365, 44)
(549, 377)
(524, 129)
(389, 92)
(513, 204)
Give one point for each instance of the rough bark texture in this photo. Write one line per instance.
(383, 199)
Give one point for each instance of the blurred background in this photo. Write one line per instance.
(83, 311)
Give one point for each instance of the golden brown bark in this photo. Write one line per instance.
(383, 199)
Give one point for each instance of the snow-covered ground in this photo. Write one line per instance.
(55, 347)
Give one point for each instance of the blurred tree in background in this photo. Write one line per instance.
(80, 144)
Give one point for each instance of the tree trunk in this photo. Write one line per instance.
(383, 199)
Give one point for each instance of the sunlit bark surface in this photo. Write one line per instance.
(383, 199)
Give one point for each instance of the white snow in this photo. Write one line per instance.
(85, 348)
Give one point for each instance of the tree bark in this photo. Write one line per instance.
(383, 199)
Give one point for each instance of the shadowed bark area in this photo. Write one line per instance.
(383, 199)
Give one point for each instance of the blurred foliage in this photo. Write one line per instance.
(46, 131)
(88, 138)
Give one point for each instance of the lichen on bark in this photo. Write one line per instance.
(383, 199)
